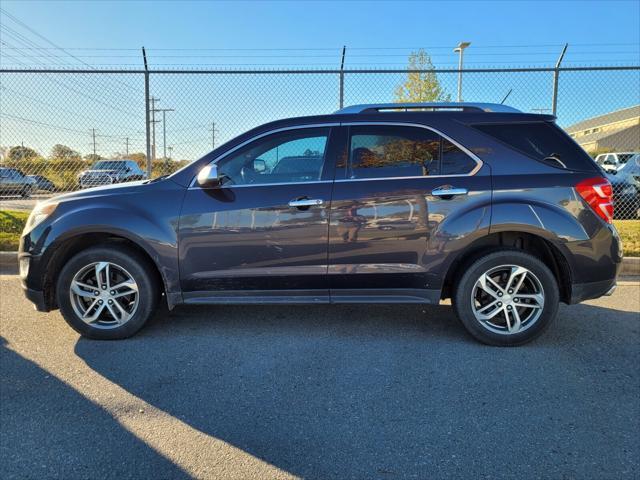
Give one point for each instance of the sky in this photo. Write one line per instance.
(39, 109)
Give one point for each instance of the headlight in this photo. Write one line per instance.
(38, 214)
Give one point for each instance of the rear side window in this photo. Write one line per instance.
(381, 151)
(541, 140)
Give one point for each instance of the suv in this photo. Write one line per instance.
(612, 162)
(499, 210)
(106, 172)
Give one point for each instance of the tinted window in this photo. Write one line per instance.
(288, 157)
(540, 140)
(454, 160)
(378, 151)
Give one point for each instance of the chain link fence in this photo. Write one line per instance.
(62, 130)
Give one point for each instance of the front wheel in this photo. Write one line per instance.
(107, 292)
(506, 298)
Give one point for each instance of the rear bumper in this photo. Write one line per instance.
(587, 291)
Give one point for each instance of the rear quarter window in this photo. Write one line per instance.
(541, 140)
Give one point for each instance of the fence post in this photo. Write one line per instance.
(556, 75)
(147, 113)
(344, 48)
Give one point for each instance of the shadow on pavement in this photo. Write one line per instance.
(382, 392)
(48, 430)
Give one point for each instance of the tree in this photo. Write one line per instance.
(422, 84)
(20, 153)
(62, 152)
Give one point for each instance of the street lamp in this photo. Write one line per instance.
(460, 49)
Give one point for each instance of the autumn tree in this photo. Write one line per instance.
(20, 153)
(422, 84)
(62, 152)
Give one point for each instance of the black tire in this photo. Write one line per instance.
(135, 264)
(26, 192)
(462, 298)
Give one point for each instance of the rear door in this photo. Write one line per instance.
(404, 197)
(263, 234)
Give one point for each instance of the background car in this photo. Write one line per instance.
(612, 162)
(43, 183)
(106, 172)
(14, 182)
(626, 189)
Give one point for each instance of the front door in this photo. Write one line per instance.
(262, 235)
(403, 196)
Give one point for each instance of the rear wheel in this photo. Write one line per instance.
(26, 192)
(107, 292)
(506, 298)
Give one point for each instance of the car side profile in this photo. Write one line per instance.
(14, 182)
(499, 210)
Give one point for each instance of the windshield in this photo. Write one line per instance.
(109, 165)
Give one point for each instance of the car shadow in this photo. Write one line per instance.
(381, 391)
(48, 430)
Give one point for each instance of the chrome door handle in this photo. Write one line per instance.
(448, 191)
(306, 202)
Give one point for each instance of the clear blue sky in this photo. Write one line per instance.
(260, 34)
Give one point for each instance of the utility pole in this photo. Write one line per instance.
(213, 135)
(153, 101)
(170, 151)
(93, 134)
(146, 111)
(126, 146)
(164, 129)
(460, 49)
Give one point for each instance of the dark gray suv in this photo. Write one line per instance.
(496, 209)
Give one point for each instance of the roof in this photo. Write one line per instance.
(612, 117)
(465, 106)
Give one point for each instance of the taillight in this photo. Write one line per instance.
(598, 193)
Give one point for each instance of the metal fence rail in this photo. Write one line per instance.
(56, 124)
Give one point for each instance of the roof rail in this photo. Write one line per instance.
(459, 106)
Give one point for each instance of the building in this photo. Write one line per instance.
(617, 131)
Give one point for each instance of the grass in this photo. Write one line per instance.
(11, 225)
(12, 222)
(629, 231)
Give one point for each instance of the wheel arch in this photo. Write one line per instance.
(534, 244)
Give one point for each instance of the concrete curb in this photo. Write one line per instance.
(9, 265)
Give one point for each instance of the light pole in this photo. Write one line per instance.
(460, 50)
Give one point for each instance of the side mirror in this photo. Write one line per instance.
(208, 177)
(259, 165)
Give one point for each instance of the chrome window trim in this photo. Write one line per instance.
(474, 157)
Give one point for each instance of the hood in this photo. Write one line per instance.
(103, 191)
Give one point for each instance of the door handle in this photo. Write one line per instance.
(448, 191)
(305, 202)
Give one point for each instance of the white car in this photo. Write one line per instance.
(612, 162)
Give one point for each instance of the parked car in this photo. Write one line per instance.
(107, 172)
(626, 189)
(43, 183)
(496, 209)
(612, 162)
(14, 182)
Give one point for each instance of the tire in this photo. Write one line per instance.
(134, 309)
(26, 192)
(523, 321)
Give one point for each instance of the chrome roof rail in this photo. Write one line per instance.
(456, 106)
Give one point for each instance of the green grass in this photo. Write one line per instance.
(629, 231)
(12, 222)
(11, 225)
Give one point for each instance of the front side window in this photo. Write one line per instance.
(381, 151)
(293, 156)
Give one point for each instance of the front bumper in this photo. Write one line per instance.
(37, 298)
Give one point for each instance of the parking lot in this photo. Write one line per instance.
(320, 392)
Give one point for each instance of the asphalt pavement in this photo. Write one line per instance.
(323, 392)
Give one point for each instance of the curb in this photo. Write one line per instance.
(9, 265)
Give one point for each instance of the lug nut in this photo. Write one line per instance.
(112, 292)
(97, 292)
(104, 287)
(110, 302)
(516, 300)
(99, 302)
(509, 307)
(510, 292)
(499, 294)
(499, 304)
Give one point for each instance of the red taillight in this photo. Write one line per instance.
(598, 193)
